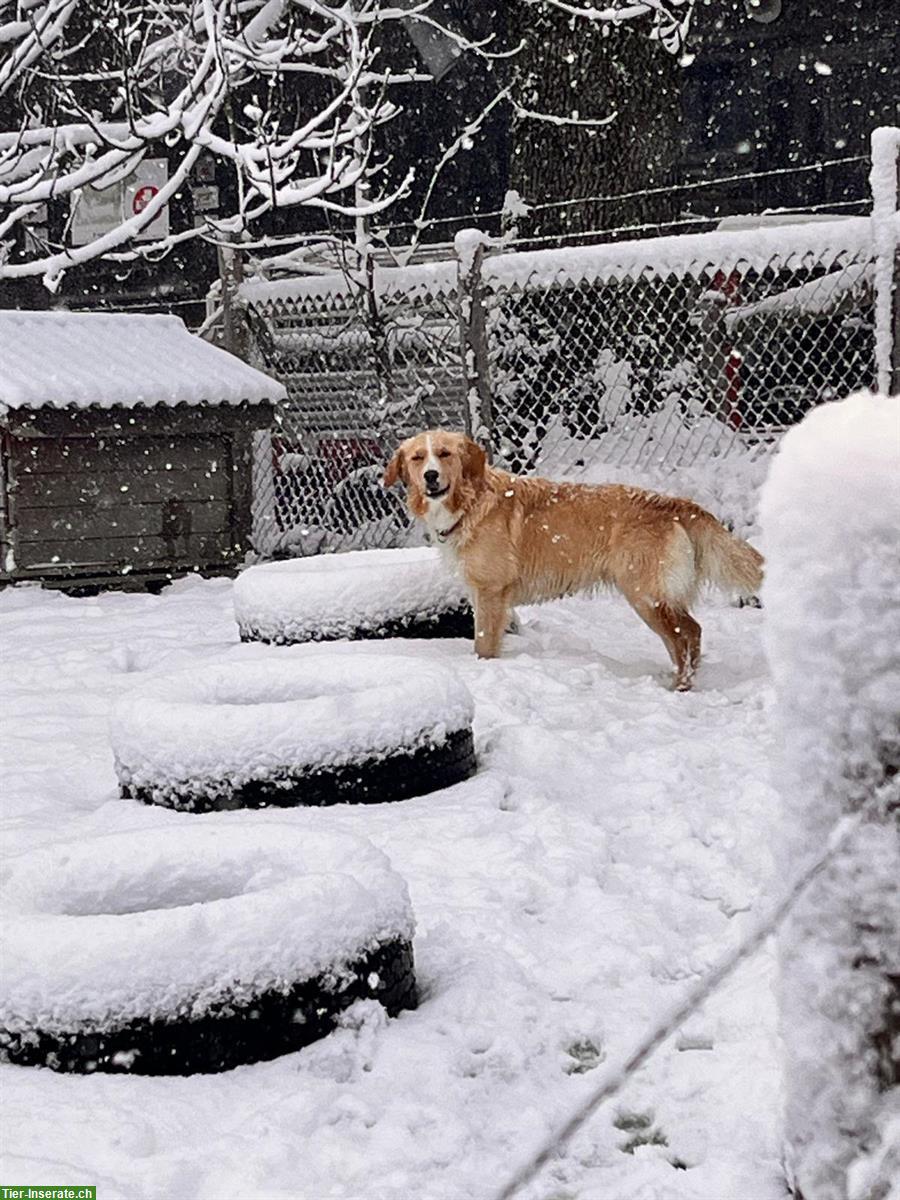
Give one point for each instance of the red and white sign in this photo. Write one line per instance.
(100, 210)
(142, 198)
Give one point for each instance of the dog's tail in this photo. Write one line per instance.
(722, 559)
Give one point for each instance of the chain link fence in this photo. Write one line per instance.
(650, 369)
(362, 370)
(673, 363)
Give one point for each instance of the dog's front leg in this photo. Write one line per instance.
(491, 616)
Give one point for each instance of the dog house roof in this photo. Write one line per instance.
(106, 360)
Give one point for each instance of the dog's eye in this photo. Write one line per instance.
(443, 453)
(418, 457)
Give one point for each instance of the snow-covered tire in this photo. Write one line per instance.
(194, 950)
(310, 729)
(359, 595)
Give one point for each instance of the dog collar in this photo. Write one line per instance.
(443, 534)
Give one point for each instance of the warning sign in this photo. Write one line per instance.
(142, 197)
(99, 210)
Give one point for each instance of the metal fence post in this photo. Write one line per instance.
(378, 334)
(470, 246)
(884, 185)
(234, 325)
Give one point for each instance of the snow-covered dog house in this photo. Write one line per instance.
(126, 448)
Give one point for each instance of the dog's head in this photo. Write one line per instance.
(437, 466)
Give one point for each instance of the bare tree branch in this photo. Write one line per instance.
(91, 88)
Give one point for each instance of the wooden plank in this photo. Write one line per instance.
(117, 488)
(129, 520)
(242, 487)
(88, 580)
(122, 552)
(99, 456)
(183, 421)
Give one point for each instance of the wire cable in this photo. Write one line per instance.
(678, 187)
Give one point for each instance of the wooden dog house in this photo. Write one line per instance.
(126, 448)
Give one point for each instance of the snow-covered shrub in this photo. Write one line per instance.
(830, 514)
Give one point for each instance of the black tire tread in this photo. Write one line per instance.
(234, 1033)
(399, 776)
(447, 623)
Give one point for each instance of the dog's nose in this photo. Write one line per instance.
(431, 477)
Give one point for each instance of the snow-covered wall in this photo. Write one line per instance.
(830, 513)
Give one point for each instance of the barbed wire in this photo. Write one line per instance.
(701, 183)
(292, 239)
(275, 240)
(569, 235)
(696, 185)
(617, 1074)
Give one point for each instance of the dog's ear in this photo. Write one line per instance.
(474, 460)
(396, 469)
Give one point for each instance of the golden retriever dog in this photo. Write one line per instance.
(521, 540)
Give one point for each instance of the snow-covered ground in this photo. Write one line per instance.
(616, 839)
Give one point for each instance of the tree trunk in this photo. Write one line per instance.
(569, 67)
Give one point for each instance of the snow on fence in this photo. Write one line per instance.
(830, 514)
(675, 362)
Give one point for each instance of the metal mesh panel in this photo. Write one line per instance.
(649, 371)
(355, 389)
(666, 370)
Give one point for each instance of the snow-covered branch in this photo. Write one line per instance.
(285, 96)
(206, 76)
(557, 119)
(671, 18)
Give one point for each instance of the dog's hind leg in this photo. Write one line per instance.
(680, 634)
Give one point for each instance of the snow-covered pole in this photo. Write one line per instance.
(883, 181)
(470, 245)
(830, 511)
(231, 274)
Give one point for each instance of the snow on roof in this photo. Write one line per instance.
(82, 360)
(419, 280)
(696, 255)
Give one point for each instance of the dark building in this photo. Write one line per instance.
(778, 84)
(767, 88)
